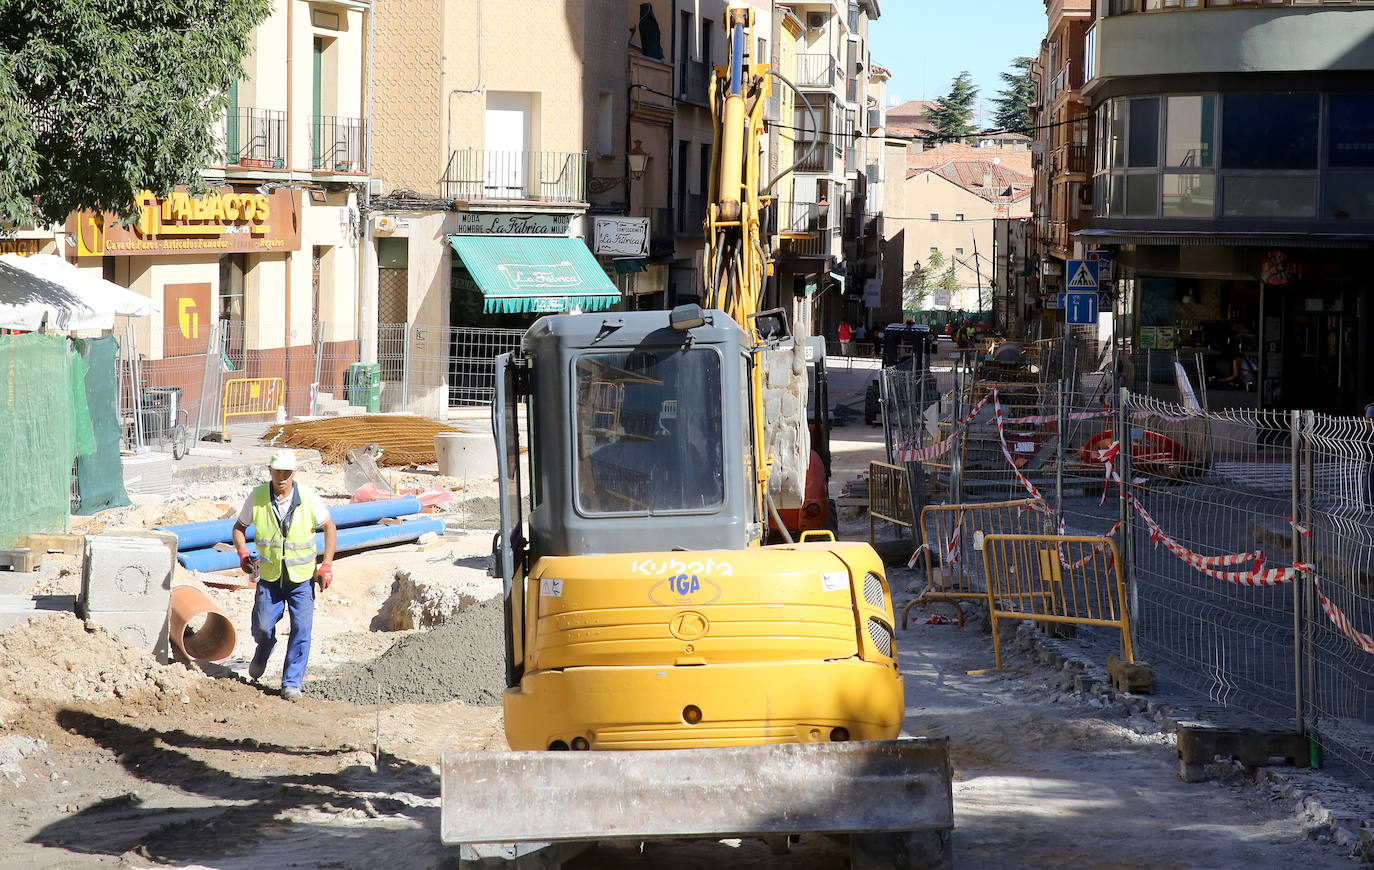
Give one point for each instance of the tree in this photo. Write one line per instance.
(102, 99)
(952, 114)
(1013, 102)
(917, 286)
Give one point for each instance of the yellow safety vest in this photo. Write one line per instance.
(294, 551)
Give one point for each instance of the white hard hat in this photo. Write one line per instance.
(283, 460)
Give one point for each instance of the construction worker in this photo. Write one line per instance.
(286, 515)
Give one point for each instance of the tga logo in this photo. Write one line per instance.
(681, 589)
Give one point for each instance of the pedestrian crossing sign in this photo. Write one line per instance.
(1082, 275)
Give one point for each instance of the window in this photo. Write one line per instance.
(1190, 135)
(1269, 131)
(1189, 196)
(1143, 145)
(958, 217)
(958, 252)
(935, 216)
(649, 431)
(934, 252)
(1269, 196)
(1350, 130)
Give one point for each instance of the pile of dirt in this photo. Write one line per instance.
(417, 602)
(53, 657)
(404, 440)
(463, 659)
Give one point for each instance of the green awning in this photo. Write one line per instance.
(535, 274)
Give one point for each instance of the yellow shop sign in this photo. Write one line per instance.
(222, 221)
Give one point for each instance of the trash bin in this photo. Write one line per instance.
(365, 386)
(160, 406)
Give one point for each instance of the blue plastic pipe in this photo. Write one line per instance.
(354, 538)
(195, 536)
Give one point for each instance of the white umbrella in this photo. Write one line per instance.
(43, 287)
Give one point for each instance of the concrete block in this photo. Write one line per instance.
(15, 609)
(167, 538)
(144, 630)
(126, 574)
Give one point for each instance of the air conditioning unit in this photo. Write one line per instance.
(386, 223)
(815, 21)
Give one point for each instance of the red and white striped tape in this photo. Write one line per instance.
(1339, 619)
(1051, 418)
(939, 448)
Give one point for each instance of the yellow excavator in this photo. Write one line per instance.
(746, 690)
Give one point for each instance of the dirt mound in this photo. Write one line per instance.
(462, 659)
(199, 511)
(53, 657)
(417, 602)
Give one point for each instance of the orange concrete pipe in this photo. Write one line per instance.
(211, 639)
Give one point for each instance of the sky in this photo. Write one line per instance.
(926, 43)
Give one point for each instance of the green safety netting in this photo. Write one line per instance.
(44, 426)
(100, 476)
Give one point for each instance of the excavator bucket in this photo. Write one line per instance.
(886, 786)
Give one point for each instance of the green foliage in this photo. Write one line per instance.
(101, 99)
(916, 287)
(952, 114)
(1014, 101)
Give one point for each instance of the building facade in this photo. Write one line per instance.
(271, 255)
(1233, 177)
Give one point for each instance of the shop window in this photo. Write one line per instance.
(1189, 195)
(1350, 130)
(1269, 196)
(1190, 134)
(1269, 131)
(1143, 148)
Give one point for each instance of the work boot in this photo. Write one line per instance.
(291, 693)
(257, 666)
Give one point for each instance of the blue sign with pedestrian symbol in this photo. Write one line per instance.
(1080, 308)
(1082, 275)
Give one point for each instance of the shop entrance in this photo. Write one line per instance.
(1316, 360)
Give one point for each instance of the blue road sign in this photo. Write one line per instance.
(1082, 275)
(1080, 308)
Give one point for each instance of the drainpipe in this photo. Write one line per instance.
(290, 176)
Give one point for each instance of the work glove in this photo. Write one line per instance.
(248, 563)
(325, 574)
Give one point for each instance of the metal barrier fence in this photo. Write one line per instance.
(889, 499)
(455, 366)
(250, 397)
(1246, 536)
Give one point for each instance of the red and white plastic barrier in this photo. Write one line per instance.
(939, 448)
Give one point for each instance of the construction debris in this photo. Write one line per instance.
(403, 440)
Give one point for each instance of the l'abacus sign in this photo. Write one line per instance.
(224, 221)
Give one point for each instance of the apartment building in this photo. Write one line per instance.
(953, 195)
(499, 130)
(1062, 196)
(271, 255)
(1233, 177)
(824, 230)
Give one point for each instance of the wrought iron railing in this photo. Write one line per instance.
(694, 81)
(336, 144)
(691, 215)
(540, 176)
(255, 138)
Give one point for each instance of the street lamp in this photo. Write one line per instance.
(638, 159)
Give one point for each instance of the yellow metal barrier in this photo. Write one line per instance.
(1066, 579)
(888, 498)
(250, 397)
(952, 535)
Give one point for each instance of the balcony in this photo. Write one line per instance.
(694, 81)
(536, 176)
(813, 159)
(851, 160)
(1068, 79)
(875, 118)
(798, 218)
(817, 71)
(336, 144)
(255, 138)
(691, 216)
(851, 89)
(1074, 158)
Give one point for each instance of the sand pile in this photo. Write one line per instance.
(463, 659)
(52, 657)
(420, 603)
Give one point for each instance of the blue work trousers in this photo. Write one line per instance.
(269, 601)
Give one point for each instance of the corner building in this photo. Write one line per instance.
(1233, 177)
